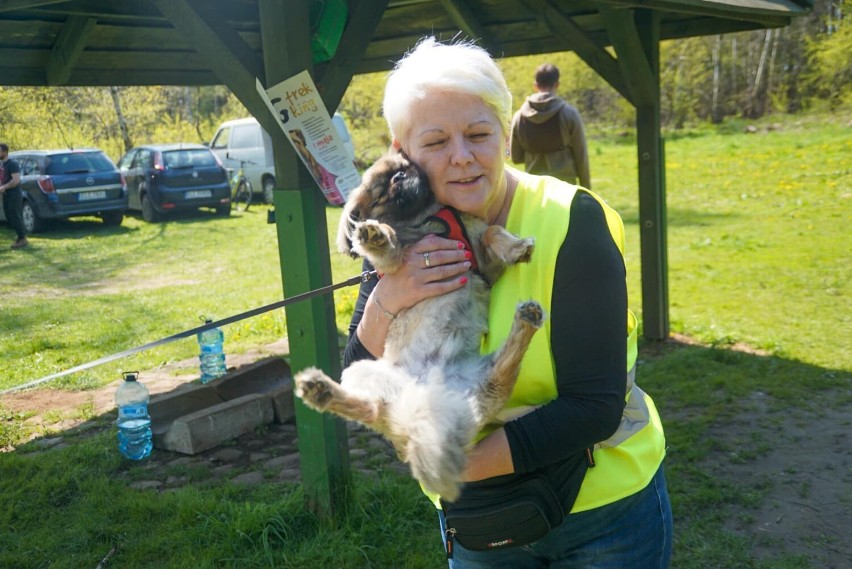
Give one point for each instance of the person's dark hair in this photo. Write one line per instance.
(4, 147)
(547, 75)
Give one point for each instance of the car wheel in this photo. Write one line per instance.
(268, 188)
(112, 218)
(224, 210)
(149, 214)
(32, 222)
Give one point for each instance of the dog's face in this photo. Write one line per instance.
(393, 191)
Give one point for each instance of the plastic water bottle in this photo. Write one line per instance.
(211, 355)
(134, 423)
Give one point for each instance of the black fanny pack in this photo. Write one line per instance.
(494, 515)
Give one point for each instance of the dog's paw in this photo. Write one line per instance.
(374, 236)
(314, 388)
(507, 247)
(522, 250)
(531, 312)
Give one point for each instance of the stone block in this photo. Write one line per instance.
(271, 376)
(258, 377)
(209, 427)
(282, 402)
(165, 408)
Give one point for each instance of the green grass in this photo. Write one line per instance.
(758, 248)
(70, 510)
(758, 234)
(83, 291)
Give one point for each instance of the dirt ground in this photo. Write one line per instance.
(807, 467)
(160, 380)
(809, 475)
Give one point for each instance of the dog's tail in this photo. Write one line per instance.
(439, 427)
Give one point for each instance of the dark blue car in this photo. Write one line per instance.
(165, 178)
(59, 184)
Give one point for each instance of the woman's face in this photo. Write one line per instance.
(457, 140)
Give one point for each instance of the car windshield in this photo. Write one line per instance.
(189, 158)
(77, 163)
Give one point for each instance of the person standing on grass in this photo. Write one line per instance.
(10, 188)
(547, 133)
(578, 438)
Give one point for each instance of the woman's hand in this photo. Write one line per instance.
(433, 266)
(415, 280)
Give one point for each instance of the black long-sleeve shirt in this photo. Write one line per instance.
(588, 342)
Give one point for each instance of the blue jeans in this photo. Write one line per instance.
(632, 533)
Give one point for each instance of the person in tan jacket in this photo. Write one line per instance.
(547, 133)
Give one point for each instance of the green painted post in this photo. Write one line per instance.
(311, 329)
(303, 251)
(652, 192)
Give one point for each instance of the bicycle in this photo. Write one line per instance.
(241, 190)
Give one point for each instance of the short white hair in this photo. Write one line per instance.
(459, 67)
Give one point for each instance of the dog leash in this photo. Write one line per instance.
(363, 277)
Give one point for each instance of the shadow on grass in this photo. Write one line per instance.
(59, 262)
(748, 436)
(680, 217)
(200, 215)
(747, 433)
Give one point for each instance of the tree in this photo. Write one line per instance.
(122, 122)
(831, 54)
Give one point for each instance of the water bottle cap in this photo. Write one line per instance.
(130, 375)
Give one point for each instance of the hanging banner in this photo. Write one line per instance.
(300, 112)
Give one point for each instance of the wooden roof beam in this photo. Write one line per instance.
(771, 14)
(67, 49)
(228, 56)
(635, 67)
(466, 20)
(334, 77)
(578, 41)
(12, 5)
(224, 48)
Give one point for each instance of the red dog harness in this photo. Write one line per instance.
(454, 229)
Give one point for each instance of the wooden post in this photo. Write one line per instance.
(304, 254)
(652, 194)
(305, 265)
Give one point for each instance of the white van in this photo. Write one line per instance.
(245, 140)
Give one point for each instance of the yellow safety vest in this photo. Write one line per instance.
(627, 461)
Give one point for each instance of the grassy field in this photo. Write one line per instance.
(759, 257)
(82, 291)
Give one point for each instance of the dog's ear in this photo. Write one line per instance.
(348, 218)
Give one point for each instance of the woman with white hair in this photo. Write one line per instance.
(572, 475)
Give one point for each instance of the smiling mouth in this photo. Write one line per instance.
(466, 180)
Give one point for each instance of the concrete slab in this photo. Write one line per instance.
(209, 427)
(271, 376)
(175, 415)
(258, 377)
(166, 407)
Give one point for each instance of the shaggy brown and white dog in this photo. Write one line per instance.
(431, 391)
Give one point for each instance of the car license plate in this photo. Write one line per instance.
(196, 194)
(89, 196)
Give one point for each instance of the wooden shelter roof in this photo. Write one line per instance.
(134, 42)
